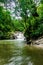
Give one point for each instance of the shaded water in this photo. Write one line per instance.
(14, 52)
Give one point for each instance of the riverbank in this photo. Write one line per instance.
(38, 43)
(38, 46)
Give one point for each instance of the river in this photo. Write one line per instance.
(16, 52)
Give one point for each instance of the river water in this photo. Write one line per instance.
(16, 52)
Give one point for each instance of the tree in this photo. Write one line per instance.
(25, 8)
(41, 1)
(40, 10)
(6, 24)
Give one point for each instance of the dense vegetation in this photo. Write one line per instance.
(31, 23)
(32, 14)
(7, 25)
(35, 28)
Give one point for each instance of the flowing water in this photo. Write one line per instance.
(16, 52)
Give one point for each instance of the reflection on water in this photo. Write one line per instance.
(16, 53)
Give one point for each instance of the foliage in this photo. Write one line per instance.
(18, 25)
(35, 28)
(40, 10)
(6, 24)
(26, 8)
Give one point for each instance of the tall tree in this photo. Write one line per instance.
(25, 9)
(6, 24)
